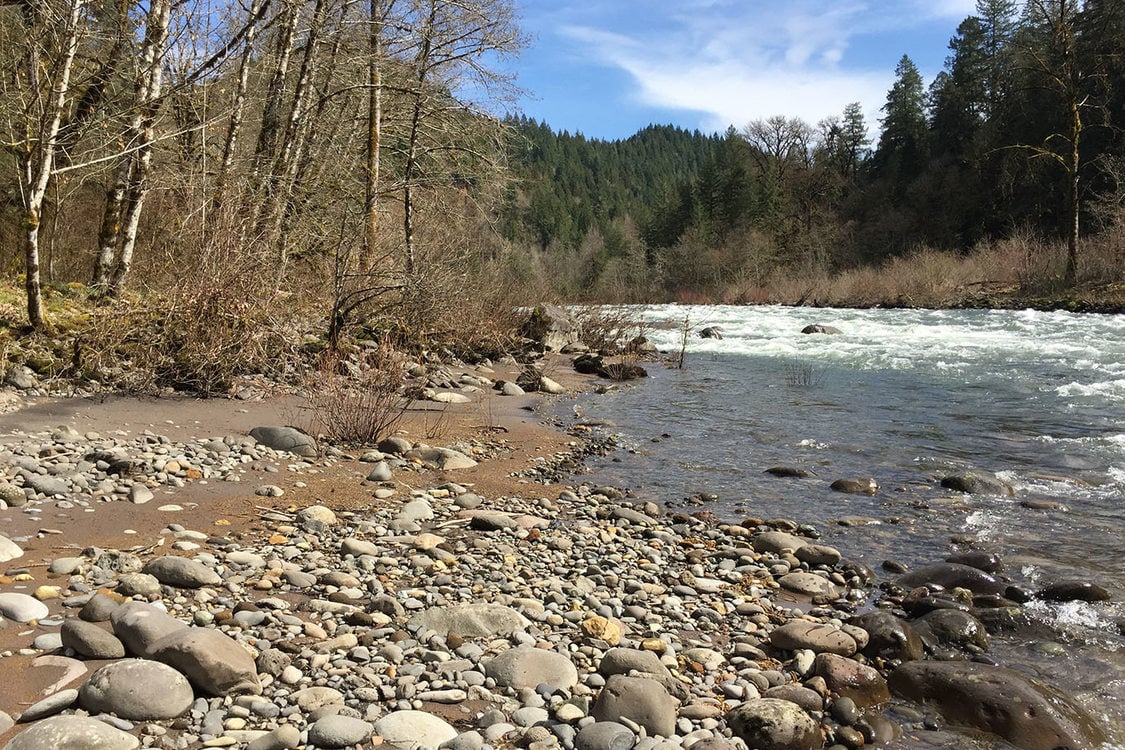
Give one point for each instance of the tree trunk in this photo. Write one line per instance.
(38, 155)
(374, 124)
(1075, 195)
(238, 109)
(271, 114)
(422, 68)
(109, 236)
(147, 105)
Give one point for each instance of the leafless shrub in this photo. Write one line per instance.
(799, 374)
(606, 329)
(356, 401)
(219, 322)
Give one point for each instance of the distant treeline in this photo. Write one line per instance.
(1022, 133)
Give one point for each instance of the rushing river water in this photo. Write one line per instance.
(907, 397)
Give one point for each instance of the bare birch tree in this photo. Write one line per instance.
(52, 33)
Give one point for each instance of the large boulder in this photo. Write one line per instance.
(72, 733)
(138, 690)
(1024, 711)
(952, 575)
(288, 439)
(640, 700)
(211, 659)
(91, 641)
(552, 327)
(775, 724)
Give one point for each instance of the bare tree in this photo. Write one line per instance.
(52, 33)
(125, 198)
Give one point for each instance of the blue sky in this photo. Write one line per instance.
(607, 68)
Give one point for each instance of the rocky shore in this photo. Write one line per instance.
(427, 612)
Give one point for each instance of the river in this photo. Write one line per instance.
(906, 397)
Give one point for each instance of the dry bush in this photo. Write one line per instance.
(606, 329)
(223, 319)
(358, 401)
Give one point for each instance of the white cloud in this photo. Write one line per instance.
(738, 61)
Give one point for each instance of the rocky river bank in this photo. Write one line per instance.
(430, 613)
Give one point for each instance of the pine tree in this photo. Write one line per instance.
(902, 151)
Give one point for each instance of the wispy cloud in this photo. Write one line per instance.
(733, 61)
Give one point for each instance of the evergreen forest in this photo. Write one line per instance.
(1018, 143)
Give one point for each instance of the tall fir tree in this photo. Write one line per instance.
(903, 150)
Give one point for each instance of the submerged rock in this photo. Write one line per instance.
(1073, 591)
(952, 575)
(977, 482)
(1018, 708)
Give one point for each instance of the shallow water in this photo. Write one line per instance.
(906, 397)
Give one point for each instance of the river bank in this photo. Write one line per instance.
(370, 598)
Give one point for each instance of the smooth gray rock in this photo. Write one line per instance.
(212, 660)
(47, 485)
(1025, 712)
(285, 737)
(99, 609)
(49, 706)
(408, 730)
(856, 486)
(849, 678)
(339, 731)
(952, 627)
(816, 636)
(285, 439)
(72, 733)
(140, 494)
(978, 482)
(478, 620)
(137, 584)
(889, 637)
(777, 541)
(396, 446)
(21, 607)
(9, 550)
(774, 724)
(605, 735)
(952, 575)
(528, 667)
(817, 587)
(181, 572)
(818, 554)
(641, 700)
(821, 328)
(380, 472)
(138, 690)
(91, 641)
(359, 547)
(141, 625)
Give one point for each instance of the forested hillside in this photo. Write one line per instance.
(1020, 139)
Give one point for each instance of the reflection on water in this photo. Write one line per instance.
(907, 397)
